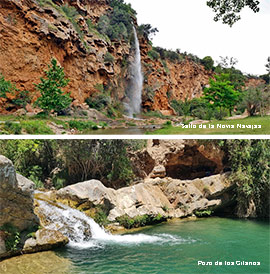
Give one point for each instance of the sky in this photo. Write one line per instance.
(189, 26)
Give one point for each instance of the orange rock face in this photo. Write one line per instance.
(175, 80)
(30, 35)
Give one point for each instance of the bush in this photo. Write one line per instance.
(98, 102)
(82, 125)
(22, 99)
(204, 213)
(52, 97)
(12, 236)
(208, 63)
(117, 24)
(154, 55)
(6, 87)
(135, 222)
(108, 58)
(12, 127)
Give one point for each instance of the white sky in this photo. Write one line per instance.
(189, 26)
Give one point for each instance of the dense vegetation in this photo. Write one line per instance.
(57, 163)
(250, 163)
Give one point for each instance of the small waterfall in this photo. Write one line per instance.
(134, 91)
(84, 232)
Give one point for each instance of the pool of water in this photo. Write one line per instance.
(176, 247)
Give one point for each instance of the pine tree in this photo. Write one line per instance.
(52, 97)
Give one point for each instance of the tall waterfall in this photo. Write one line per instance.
(134, 92)
(84, 232)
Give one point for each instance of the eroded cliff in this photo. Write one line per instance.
(34, 31)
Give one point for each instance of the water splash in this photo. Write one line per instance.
(84, 232)
(134, 92)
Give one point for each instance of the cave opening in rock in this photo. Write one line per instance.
(190, 165)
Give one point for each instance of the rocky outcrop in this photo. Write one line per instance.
(179, 159)
(45, 239)
(166, 80)
(16, 197)
(17, 216)
(166, 197)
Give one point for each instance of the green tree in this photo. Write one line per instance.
(221, 93)
(208, 62)
(250, 163)
(147, 31)
(5, 87)
(228, 10)
(52, 97)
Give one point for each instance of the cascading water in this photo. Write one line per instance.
(134, 91)
(84, 232)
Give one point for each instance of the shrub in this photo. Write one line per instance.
(117, 24)
(52, 97)
(108, 58)
(22, 99)
(147, 31)
(5, 87)
(82, 125)
(72, 14)
(98, 102)
(154, 55)
(208, 63)
(12, 127)
(12, 236)
(204, 213)
(135, 222)
(101, 216)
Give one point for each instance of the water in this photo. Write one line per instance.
(174, 247)
(83, 232)
(134, 92)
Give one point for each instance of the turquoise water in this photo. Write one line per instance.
(176, 247)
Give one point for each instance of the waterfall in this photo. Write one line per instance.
(134, 91)
(84, 232)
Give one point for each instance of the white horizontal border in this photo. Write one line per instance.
(130, 137)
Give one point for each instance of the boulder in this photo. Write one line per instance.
(16, 197)
(45, 239)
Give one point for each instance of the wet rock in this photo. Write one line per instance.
(45, 239)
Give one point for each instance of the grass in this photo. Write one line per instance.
(39, 124)
(257, 120)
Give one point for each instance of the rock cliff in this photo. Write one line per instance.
(17, 217)
(178, 159)
(34, 31)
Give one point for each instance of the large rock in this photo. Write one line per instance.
(16, 197)
(160, 196)
(45, 239)
(178, 159)
(17, 210)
